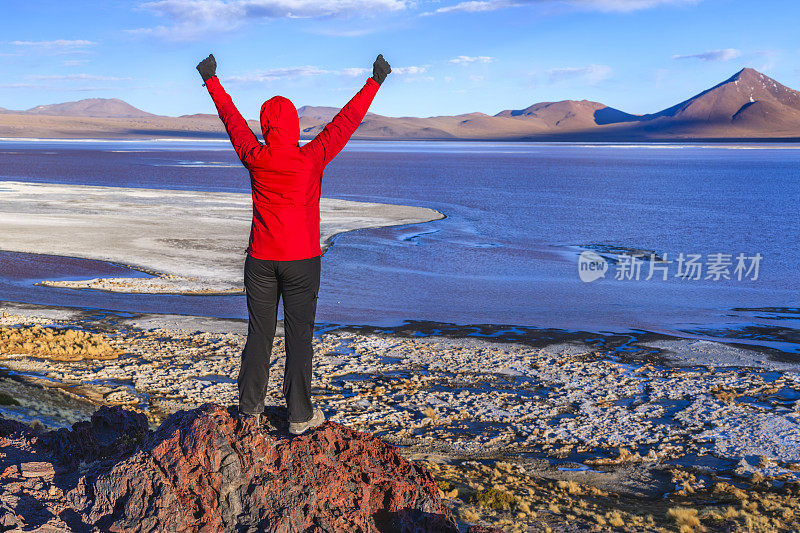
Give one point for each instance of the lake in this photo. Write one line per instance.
(518, 218)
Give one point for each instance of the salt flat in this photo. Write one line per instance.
(195, 241)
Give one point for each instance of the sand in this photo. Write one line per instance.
(194, 241)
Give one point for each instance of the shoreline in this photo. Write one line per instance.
(542, 414)
(191, 241)
(631, 346)
(792, 143)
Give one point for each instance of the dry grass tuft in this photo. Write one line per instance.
(570, 487)
(725, 394)
(446, 489)
(431, 413)
(494, 499)
(717, 506)
(59, 344)
(686, 519)
(615, 519)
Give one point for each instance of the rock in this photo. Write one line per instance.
(36, 469)
(9, 427)
(207, 470)
(483, 529)
(111, 431)
(8, 518)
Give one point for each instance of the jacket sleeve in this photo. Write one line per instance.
(338, 131)
(242, 137)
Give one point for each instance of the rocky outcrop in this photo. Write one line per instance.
(111, 433)
(207, 470)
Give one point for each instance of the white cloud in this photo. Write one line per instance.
(59, 43)
(77, 77)
(20, 86)
(591, 74)
(355, 71)
(308, 71)
(266, 76)
(74, 62)
(395, 70)
(725, 54)
(473, 6)
(51, 48)
(206, 10)
(194, 18)
(417, 79)
(466, 60)
(409, 70)
(56, 88)
(476, 6)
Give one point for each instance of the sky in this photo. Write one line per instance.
(448, 56)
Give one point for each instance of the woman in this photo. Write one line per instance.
(283, 254)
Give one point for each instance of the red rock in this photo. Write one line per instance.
(37, 469)
(100, 437)
(10, 471)
(207, 470)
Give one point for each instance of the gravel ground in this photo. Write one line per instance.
(572, 431)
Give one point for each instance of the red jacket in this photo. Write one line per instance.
(285, 177)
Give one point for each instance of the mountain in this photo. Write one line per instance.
(201, 116)
(476, 126)
(314, 118)
(748, 105)
(91, 107)
(570, 114)
(317, 112)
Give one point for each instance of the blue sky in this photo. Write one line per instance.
(448, 56)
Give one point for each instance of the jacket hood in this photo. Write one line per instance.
(280, 124)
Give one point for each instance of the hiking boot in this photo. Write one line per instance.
(298, 428)
(250, 417)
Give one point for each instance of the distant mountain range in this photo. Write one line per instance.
(91, 107)
(748, 105)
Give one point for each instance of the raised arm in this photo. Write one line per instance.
(337, 132)
(242, 137)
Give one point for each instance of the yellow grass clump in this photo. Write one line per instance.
(431, 413)
(494, 499)
(487, 491)
(686, 519)
(60, 344)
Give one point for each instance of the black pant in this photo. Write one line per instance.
(265, 282)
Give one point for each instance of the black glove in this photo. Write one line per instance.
(380, 69)
(207, 68)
